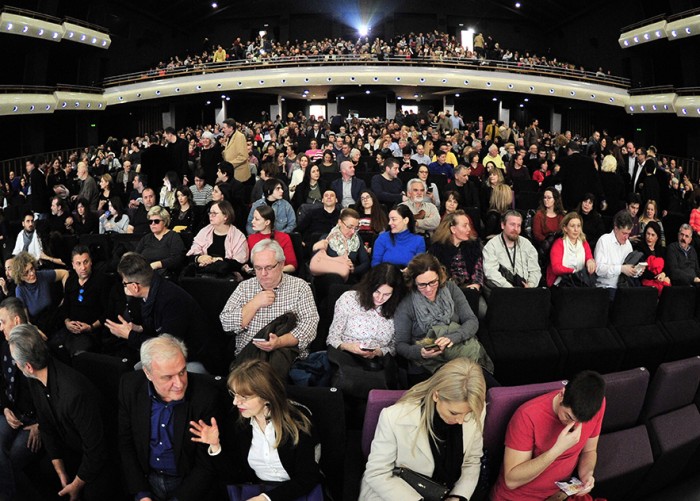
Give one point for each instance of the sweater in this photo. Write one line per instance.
(405, 247)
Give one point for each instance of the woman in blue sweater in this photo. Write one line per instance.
(273, 195)
(399, 243)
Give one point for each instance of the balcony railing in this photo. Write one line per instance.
(368, 59)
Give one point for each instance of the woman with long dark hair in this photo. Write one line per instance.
(114, 218)
(264, 227)
(372, 216)
(273, 196)
(399, 243)
(310, 190)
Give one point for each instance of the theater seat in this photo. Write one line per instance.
(328, 417)
(633, 316)
(673, 423)
(580, 316)
(502, 402)
(624, 450)
(376, 402)
(326, 310)
(677, 317)
(517, 336)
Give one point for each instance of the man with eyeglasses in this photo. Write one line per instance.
(160, 401)
(165, 308)
(425, 213)
(550, 438)
(258, 301)
(84, 305)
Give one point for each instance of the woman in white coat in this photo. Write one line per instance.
(435, 429)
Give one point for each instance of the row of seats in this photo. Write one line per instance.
(650, 436)
(536, 335)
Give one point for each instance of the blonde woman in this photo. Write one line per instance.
(435, 429)
(500, 202)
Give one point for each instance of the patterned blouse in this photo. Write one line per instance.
(353, 324)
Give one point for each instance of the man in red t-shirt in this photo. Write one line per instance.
(548, 437)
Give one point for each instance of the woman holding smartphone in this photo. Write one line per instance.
(361, 338)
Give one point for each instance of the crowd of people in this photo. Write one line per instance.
(419, 217)
(431, 46)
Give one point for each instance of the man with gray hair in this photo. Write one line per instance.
(425, 213)
(348, 188)
(611, 251)
(70, 417)
(258, 301)
(156, 405)
(682, 259)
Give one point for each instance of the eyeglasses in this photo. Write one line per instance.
(365, 198)
(81, 296)
(267, 269)
(238, 396)
(128, 283)
(430, 284)
(214, 213)
(351, 228)
(29, 272)
(154, 221)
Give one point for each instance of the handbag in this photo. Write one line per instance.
(322, 264)
(579, 278)
(429, 489)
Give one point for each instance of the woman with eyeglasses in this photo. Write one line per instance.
(266, 439)
(114, 220)
(162, 248)
(264, 227)
(273, 196)
(431, 193)
(34, 289)
(434, 322)
(547, 221)
(436, 430)
(343, 257)
(360, 341)
(219, 248)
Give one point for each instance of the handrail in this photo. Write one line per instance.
(342, 60)
(17, 164)
(643, 22)
(30, 13)
(685, 13)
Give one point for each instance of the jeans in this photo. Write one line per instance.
(163, 486)
(14, 456)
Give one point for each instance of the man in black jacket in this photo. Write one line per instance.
(160, 401)
(70, 417)
(39, 198)
(578, 176)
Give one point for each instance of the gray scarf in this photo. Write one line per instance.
(27, 240)
(429, 313)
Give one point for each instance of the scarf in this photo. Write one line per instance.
(27, 240)
(429, 313)
(340, 245)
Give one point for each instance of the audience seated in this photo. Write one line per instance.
(373, 219)
(273, 193)
(611, 251)
(551, 437)
(682, 260)
(424, 212)
(570, 255)
(509, 259)
(267, 441)
(399, 243)
(547, 221)
(434, 322)
(387, 186)
(264, 227)
(162, 248)
(318, 219)
(260, 300)
(593, 226)
(437, 422)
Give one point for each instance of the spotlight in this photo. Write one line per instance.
(89, 105)
(526, 100)
(643, 108)
(262, 82)
(522, 105)
(573, 92)
(228, 99)
(684, 111)
(399, 98)
(138, 94)
(199, 87)
(456, 95)
(343, 97)
(518, 5)
(31, 108)
(25, 29)
(208, 103)
(636, 39)
(9, 26)
(94, 40)
(157, 93)
(214, 5)
(77, 104)
(83, 37)
(687, 30)
(55, 35)
(71, 34)
(653, 107)
(40, 32)
(177, 89)
(646, 36)
(674, 33)
(494, 99)
(14, 108)
(64, 104)
(48, 107)
(367, 91)
(99, 105)
(627, 43)
(364, 30)
(104, 43)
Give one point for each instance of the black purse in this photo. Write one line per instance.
(429, 489)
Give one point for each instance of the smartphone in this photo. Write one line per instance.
(431, 347)
(364, 348)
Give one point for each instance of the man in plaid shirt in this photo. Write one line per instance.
(258, 301)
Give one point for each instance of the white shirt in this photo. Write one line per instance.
(609, 256)
(263, 457)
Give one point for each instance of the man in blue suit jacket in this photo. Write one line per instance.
(348, 188)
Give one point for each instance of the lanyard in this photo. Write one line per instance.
(515, 248)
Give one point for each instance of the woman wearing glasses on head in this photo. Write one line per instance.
(266, 440)
(434, 323)
(162, 248)
(361, 338)
(219, 248)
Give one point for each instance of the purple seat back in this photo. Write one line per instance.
(675, 385)
(624, 395)
(502, 402)
(376, 401)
